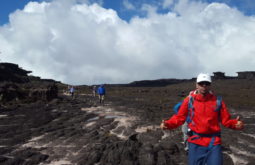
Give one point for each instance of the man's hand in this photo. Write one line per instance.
(162, 125)
(239, 124)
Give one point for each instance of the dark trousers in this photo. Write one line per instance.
(200, 155)
(101, 98)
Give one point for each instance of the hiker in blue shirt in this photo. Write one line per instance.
(101, 93)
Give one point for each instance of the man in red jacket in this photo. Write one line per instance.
(205, 118)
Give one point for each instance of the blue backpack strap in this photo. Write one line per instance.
(218, 103)
(213, 136)
(210, 146)
(191, 109)
(218, 106)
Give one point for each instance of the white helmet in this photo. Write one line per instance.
(204, 77)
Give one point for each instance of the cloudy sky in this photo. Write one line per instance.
(120, 41)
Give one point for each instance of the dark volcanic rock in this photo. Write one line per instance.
(41, 125)
(16, 86)
(19, 93)
(12, 72)
(10, 91)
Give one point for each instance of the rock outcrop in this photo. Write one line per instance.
(17, 86)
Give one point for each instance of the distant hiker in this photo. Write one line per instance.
(94, 90)
(101, 93)
(204, 140)
(71, 90)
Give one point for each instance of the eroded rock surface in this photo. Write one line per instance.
(41, 125)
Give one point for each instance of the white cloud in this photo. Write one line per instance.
(189, 7)
(149, 9)
(87, 44)
(128, 5)
(167, 3)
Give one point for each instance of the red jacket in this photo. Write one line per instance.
(205, 119)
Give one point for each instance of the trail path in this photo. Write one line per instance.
(83, 132)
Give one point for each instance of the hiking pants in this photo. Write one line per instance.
(200, 155)
(101, 98)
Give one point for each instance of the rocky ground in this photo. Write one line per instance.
(79, 131)
(41, 124)
(123, 131)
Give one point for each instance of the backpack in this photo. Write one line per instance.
(191, 108)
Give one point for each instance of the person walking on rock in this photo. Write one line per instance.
(101, 93)
(94, 91)
(201, 106)
(71, 90)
